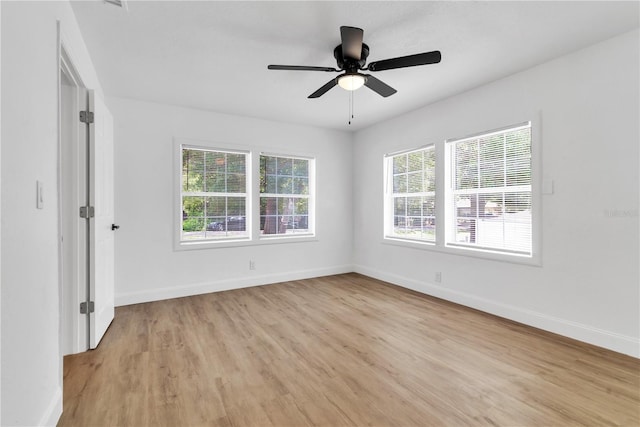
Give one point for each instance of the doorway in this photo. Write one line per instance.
(86, 210)
(73, 233)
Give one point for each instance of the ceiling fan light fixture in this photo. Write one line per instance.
(351, 81)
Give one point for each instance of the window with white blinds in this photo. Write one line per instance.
(213, 194)
(489, 193)
(410, 195)
(286, 195)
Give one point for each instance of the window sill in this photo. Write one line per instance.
(468, 252)
(275, 238)
(187, 246)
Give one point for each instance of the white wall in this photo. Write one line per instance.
(31, 358)
(587, 286)
(0, 214)
(148, 267)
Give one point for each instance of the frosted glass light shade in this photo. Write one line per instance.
(351, 81)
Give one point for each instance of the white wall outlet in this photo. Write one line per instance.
(252, 264)
(438, 277)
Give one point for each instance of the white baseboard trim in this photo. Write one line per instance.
(54, 411)
(581, 332)
(128, 298)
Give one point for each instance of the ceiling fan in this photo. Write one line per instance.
(351, 57)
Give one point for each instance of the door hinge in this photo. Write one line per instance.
(86, 117)
(86, 307)
(86, 212)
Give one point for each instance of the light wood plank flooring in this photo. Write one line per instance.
(340, 350)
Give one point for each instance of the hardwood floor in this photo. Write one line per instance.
(340, 350)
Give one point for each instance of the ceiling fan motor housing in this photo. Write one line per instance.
(351, 64)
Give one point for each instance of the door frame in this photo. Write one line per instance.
(72, 262)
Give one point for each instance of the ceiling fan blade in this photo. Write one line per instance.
(324, 89)
(300, 68)
(379, 86)
(406, 61)
(351, 42)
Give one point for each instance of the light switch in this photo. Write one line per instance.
(547, 186)
(39, 195)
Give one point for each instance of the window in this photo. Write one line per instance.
(226, 199)
(489, 191)
(285, 195)
(213, 194)
(410, 195)
(471, 195)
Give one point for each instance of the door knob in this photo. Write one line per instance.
(114, 227)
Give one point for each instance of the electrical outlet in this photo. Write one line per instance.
(438, 277)
(252, 264)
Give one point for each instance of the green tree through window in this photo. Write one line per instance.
(284, 195)
(213, 194)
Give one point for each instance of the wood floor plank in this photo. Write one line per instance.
(340, 351)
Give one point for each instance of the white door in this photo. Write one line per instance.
(101, 234)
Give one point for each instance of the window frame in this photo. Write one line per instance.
(252, 170)
(451, 192)
(310, 197)
(193, 145)
(390, 195)
(442, 183)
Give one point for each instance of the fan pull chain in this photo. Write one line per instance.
(351, 109)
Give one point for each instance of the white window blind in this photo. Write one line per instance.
(490, 195)
(285, 195)
(213, 194)
(410, 195)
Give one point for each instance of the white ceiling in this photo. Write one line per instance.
(214, 55)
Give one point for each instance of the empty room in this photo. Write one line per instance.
(312, 213)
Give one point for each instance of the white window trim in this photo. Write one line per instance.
(311, 197)
(253, 199)
(450, 192)
(180, 244)
(535, 259)
(389, 195)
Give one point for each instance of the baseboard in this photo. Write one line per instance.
(128, 298)
(581, 332)
(54, 411)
